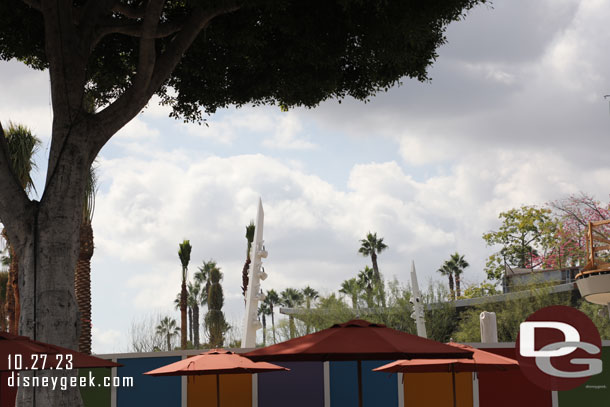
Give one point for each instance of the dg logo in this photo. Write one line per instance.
(559, 348)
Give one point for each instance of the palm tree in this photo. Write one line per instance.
(184, 253)
(310, 295)
(446, 270)
(244, 274)
(352, 289)
(291, 298)
(367, 282)
(21, 145)
(263, 311)
(202, 277)
(82, 273)
(167, 328)
(372, 246)
(457, 265)
(272, 299)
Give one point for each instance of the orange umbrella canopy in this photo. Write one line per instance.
(357, 340)
(215, 361)
(30, 354)
(481, 362)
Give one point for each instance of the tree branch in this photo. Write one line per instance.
(135, 29)
(35, 4)
(129, 11)
(121, 111)
(90, 14)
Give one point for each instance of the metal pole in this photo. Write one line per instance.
(453, 383)
(217, 390)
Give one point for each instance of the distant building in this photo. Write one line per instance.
(515, 279)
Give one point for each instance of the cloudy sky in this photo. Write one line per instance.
(514, 115)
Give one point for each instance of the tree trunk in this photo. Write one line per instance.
(451, 291)
(375, 267)
(378, 278)
(13, 306)
(47, 249)
(264, 330)
(169, 341)
(183, 327)
(190, 318)
(457, 285)
(82, 286)
(273, 325)
(195, 325)
(291, 326)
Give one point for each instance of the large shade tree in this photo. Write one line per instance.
(198, 56)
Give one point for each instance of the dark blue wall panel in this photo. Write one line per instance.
(378, 389)
(148, 391)
(302, 386)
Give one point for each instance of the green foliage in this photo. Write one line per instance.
(371, 245)
(352, 289)
(599, 316)
(509, 314)
(22, 145)
(90, 191)
(184, 253)
(310, 295)
(524, 235)
(168, 328)
(480, 290)
(441, 319)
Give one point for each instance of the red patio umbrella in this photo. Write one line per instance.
(28, 354)
(481, 362)
(357, 340)
(215, 361)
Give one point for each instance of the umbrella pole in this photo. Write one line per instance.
(360, 383)
(453, 384)
(217, 390)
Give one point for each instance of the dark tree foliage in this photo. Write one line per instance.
(292, 53)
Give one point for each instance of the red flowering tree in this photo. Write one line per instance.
(574, 214)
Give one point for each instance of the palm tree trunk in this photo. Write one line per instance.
(378, 278)
(450, 275)
(264, 330)
(457, 285)
(82, 286)
(183, 326)
(273, 324)
(169, 342)
(190, 318)
(375, 267)
(195, 325)
(291, 326)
